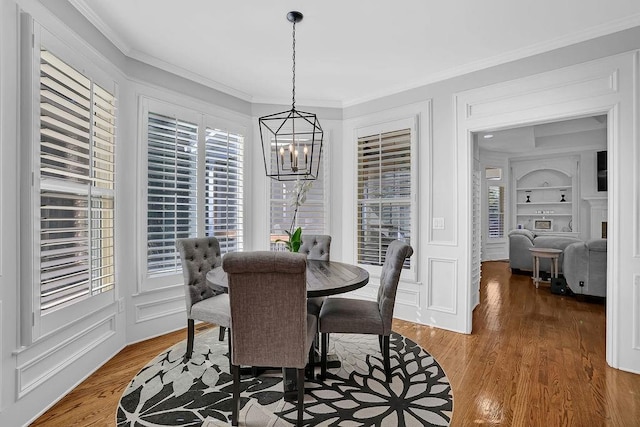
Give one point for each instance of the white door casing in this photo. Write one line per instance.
(609, 86)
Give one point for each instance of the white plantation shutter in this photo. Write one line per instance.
(195, 185)
(311, 214)
(76, 153)
(224, 212)
(172, 167)
(496, 211)
(384, 194)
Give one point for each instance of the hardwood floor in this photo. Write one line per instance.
(533, 359)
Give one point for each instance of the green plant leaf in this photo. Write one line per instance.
(297, 235)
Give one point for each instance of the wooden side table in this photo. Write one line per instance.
(553, 254)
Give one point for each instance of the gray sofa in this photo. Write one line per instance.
(587, 262)
(520, 258)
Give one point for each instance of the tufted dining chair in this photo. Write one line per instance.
(316, 247)
(271, 326)
(204, 303)
(353, 316)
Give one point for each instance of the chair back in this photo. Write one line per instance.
(316, 246)
(268, 294)
(397, 252)
(198, 256)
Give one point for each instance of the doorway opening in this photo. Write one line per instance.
(544, 179)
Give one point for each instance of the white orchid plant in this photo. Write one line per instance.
(298, 197)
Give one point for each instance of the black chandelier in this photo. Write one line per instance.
(292, 139)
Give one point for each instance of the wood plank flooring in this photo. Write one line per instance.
(533, 359)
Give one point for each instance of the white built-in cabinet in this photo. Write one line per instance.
(545, 195)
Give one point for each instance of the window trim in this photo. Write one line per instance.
(326, 176)
(32, 38)
(499, 185)
(197, 113)
(406, 122)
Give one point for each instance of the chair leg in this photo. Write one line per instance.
(300, 383)
(190, 333)
(229, 345)
(323, 359)
(235, 410)
(385, 356)
(310, 363)
(221, 336)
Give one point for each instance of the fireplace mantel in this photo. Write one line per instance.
(597, 201)
(599, 213)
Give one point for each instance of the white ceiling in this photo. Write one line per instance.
(346, 51)
(566, 134)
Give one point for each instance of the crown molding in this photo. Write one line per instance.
(189, 75)
(535, 49)
(97, 22)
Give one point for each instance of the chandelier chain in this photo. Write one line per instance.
(293, 95)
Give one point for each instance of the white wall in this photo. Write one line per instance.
(33, 378)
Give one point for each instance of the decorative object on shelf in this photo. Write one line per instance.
(545, 184)
(292, 139)
(528, 196)
(298, 197)
(543, 224)
(562, 194)
(570, 226)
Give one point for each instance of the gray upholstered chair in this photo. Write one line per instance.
(586, 263)
(204, 303)
(353, 316)
(318, 247)
(271, 327)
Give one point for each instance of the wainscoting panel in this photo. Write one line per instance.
(44, 366)
(408, 298)
(160, 308)
(408, 302)
(442, 285)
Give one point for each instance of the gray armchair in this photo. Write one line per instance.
(353, 316)
(204, 303)
(587, 263)
(271, 327)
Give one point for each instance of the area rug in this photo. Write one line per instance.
(168, 392)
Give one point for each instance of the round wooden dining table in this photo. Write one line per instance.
(324, 278)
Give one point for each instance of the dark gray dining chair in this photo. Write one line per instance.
(354, 316)
(316, 247)
(271, 327)
(204, 303)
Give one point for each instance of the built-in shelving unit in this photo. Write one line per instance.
(543, 195)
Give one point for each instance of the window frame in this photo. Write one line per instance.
(326, 182)
(204, 119)
(502, 202)
(34, 324)
(411, 123)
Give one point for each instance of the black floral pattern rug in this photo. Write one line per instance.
(169, 392)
